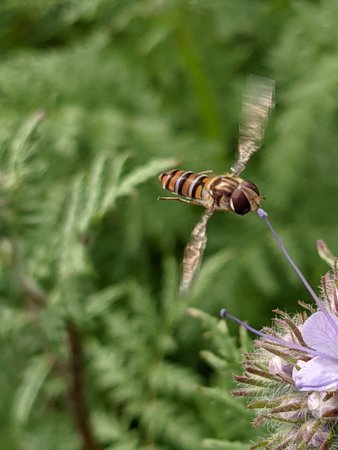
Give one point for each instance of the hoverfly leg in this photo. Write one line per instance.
(179, 199)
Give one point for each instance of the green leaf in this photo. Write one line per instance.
(20, 148)
(28, 391)
(143, 173)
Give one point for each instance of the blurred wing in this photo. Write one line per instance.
(257, 103)
(194, 251)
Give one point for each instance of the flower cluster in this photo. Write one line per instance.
(291, 377)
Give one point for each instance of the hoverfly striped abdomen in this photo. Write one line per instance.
(187, 184)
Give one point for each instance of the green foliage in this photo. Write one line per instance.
(224, 357)
(97, 98)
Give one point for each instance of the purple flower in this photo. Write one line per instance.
(278, 366)
(291, 377)
(317, 437)
(322, 404)
(321, 372)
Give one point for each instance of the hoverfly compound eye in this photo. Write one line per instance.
(250, 185)
(239, 202)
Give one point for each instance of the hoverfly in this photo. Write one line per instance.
(226, 192)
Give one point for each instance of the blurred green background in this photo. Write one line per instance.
(97, 98)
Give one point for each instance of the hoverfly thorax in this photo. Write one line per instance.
(231, 193)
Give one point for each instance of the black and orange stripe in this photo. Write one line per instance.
(185, 183)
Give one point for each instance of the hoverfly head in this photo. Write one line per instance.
(245, 198)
